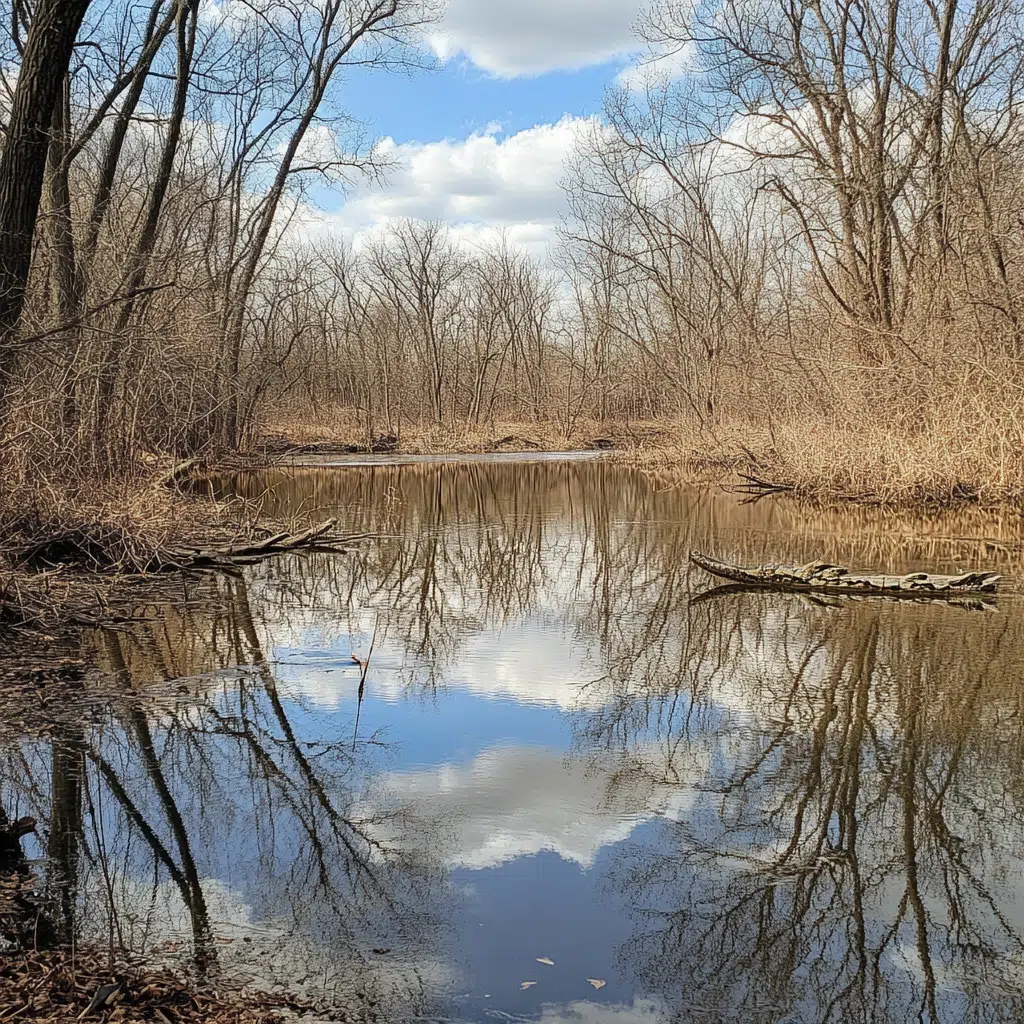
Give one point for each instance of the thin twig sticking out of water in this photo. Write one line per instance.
(362, 682)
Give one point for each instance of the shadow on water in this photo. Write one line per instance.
(756, 806)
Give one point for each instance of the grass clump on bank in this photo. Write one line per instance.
(67, 549)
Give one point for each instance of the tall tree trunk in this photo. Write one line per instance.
(45, 64)
(66, 276)
(186, 23)
(322, 68)
(154, 39)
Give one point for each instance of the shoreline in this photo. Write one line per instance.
(731, 465)
(90, 556)
(72, 983)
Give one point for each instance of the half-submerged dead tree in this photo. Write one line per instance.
(834, 579)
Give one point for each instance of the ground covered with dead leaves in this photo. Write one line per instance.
(63, 985)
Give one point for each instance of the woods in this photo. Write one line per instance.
(816, 220)
(155, 167)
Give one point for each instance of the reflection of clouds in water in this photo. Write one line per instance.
(530, 635)
(158, 912)
(516, 801)
(526, 662)
(532, 665)
(583, 1011)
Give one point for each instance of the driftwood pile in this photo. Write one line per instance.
(821, 577)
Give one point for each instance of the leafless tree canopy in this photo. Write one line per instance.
(820, 218)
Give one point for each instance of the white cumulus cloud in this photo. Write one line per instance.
(481, 185)
(513, 802)
(530, 37)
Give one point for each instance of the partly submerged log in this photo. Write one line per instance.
(833, 579)
(318, 538)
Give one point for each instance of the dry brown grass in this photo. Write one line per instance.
(340, 426)
(860, 463)
(919, 436)
(866, 461)
(73, 555)
(108, 528)
(899, 437)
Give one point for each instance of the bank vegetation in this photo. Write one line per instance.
(798, 250)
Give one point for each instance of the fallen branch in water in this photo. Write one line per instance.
(755, 485)
(319, 537)
(179, 472)
(967, 600)
(833, 579)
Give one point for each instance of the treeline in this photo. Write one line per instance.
(807, 246)
(154, 154)
(415, 328)
(816, 234)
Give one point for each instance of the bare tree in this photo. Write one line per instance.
(44, 64)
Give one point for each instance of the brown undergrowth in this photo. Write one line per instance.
(73, 556)
(878, 461)
(71, 985)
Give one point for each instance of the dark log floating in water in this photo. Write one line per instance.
(833, 579)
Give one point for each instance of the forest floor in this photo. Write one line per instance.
(82, 984)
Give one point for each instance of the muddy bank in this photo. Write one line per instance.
(84, 561)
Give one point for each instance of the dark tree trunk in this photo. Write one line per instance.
(65, 277)
(47, 57)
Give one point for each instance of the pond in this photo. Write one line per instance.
(511, 758)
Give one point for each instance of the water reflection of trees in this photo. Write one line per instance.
(184, 784)
(595, 548)
(849, 852)
(854, 769)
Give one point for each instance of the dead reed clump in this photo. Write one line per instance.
(904, 438)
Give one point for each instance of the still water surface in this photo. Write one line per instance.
(744, 806)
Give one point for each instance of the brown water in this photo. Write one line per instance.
(742, 806)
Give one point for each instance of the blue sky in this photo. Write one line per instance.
(458, 99)
(481, 141)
